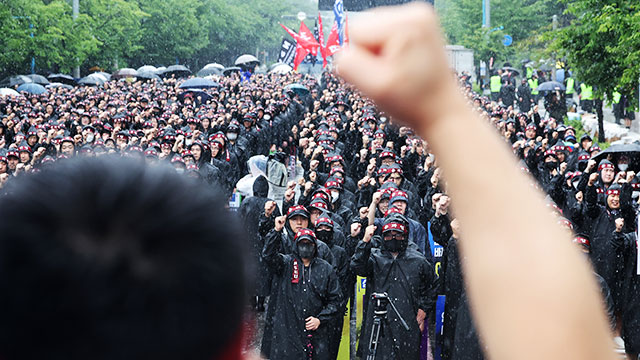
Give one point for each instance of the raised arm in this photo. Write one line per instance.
(515, 254)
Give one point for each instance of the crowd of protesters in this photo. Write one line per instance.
(368, 195)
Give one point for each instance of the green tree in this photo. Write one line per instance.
(58, 42)
(523, 20)
(602, 46)
(175, 30)
(117, 25)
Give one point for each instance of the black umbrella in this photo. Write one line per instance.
(177, 71)
(229, 70)
(148, 75)
(62, 78)
(38, 79)
(512, 69)
(551, 86)
(630, 149)
(15, 80)
(194, 94)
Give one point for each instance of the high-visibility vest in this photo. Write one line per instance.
(616, 97)
(529, 72)
(587, 92)
(496, 84)
(533, 84)
(570, 83)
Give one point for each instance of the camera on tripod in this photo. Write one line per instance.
(380, 303)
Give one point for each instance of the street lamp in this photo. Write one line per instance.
(301, 16)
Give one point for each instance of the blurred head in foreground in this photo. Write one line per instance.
(109, 259)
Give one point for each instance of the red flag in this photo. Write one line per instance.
(291, 32)
(307, 40)
(346, 30)
(301, 53)
(333, 42)
(323, 50)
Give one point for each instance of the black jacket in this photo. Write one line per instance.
(316, 293)
(409, 281)
(603, 251)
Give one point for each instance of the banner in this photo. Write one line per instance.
(333, 42)
(306, 39)
(323, 50)
(287, 52)
(437, 251)
(338, 13)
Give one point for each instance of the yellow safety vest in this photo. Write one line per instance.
(616, 97)
(533, 84)
(570, 83)
(587, 92)
(496, 83)
(529, 72)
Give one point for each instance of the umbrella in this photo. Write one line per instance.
(208, 71)
(148, 75)
(9, 92)
(147, 68)
(160, 70)
(124, 73)
(176, 71)
(199, 83)
(281, 69)
(38, 79)
(100, 77)
(551, 86)
(298, 89)
(214, 65)
(57, 85)
(229, 70)
(618, 149)
(62, 78)
(512, 69)
(105, 75)
(246, 60)
(32, 88)
(15, 80)
(91, 81)
(194, 94)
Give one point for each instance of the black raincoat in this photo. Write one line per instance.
(316, 292)
(409, 281)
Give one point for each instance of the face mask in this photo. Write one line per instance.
(395, 245)
(267, 117)
(306, 250)
(90, 138)
(325, 236)
(551, 165)
(623, 167)
(334, 196)
(232, 136)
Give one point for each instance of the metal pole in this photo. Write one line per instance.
(33, 59)
(488, 12)
(76, 11)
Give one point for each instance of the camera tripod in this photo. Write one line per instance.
(380, 302)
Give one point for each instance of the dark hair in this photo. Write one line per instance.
(108, 259)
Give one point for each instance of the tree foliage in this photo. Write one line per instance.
(523, 20)
(602, 45)
(116, 33)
